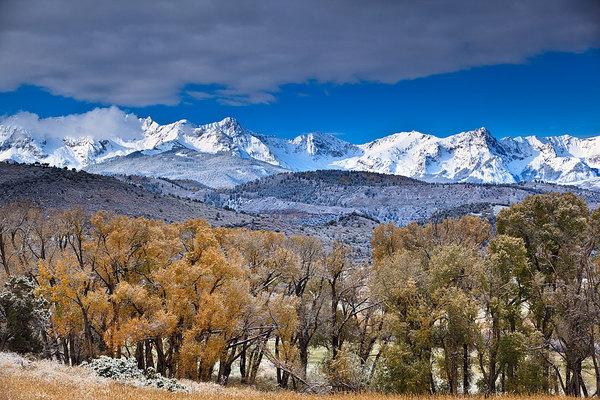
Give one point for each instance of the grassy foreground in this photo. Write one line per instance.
(22, 379)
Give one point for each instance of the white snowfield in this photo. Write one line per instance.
(181, 150)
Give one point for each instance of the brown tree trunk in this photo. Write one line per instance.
(139, 355)
(65, 346)
(466, 369)
(243, 377)
(303, 350)
(72, 351)
(255, 365)
(161, 363)
(278, 369)
(224, 370)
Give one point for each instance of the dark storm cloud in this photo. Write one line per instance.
(139, 53)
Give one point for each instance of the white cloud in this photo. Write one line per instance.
(100, 123)
(139, 53)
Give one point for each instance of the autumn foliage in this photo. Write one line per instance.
(454, 307)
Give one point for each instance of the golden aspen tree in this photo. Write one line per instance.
(207, 294)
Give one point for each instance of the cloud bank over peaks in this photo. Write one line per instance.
(99, 123)
(139, 53)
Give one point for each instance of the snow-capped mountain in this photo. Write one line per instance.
(208, 153)
(476, 156)
(310, 151)
(226, 136)
(473, 156)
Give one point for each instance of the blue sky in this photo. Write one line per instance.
(551, 94)
(293, 67)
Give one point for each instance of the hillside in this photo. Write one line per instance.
(332, 205)
(383, 198)
(58, 188)
(219, 170)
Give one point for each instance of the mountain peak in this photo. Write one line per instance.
(228, 126)
(312, 136)
(322, 144)
(479, 132)
(483, 131)
(78, 141)
(230, 123)
(480, 136)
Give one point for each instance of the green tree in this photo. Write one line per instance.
(23, 317)
(560, 235)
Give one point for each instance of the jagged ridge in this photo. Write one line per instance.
(176, 151)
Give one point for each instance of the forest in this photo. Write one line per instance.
(456, 307)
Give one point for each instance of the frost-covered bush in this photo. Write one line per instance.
(23, 316)
(126, 370)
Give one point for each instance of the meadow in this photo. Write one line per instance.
(21, 379)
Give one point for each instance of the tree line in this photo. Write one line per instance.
(455, 307)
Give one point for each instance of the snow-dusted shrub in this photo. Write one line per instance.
(126, 370)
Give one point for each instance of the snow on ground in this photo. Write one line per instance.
(16, 365)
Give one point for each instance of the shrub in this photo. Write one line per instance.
(344, 373)
(401, 372)
(126, 370)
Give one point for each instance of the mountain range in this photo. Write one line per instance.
(225, 154)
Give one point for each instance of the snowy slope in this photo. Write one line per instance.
(473, 156)
(180, 150)
(20, 145)
(310, 151)
(560, 159)
(219, 170)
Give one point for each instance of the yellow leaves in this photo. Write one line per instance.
(286, 262)
(213, 262)
(399, 279)
(338, 260)
(191, 287)
(468, 232)
(188, 358)
(44, 277)
(453, 266)
(130, 331)
(283, 313)
(135, 295)
(196, 236)
(135, 329)
(385, 241)
(98, 302)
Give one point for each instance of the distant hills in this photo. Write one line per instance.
(330, 204)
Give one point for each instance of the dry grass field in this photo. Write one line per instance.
(24, 380)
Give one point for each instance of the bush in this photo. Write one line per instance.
(23, 316)
(344, 373)
(126, 370)
(401, 372)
